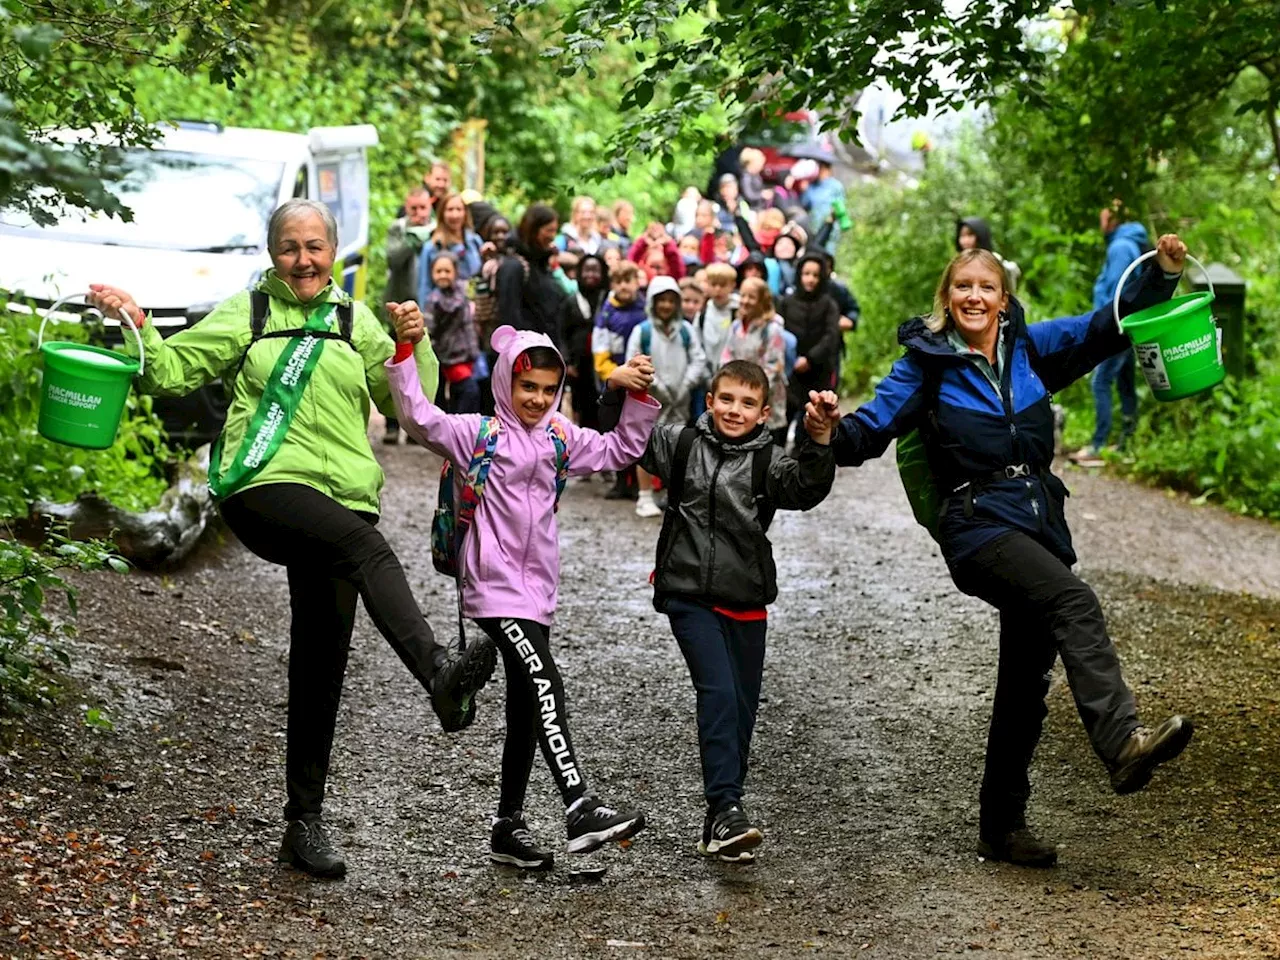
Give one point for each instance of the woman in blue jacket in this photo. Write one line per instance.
(976, 381)
(453, 235)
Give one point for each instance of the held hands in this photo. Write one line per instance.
(1171, 253)
(636, 375)
(114, 302)
(409, 323)
(821, 414)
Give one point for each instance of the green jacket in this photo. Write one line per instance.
(327, 445)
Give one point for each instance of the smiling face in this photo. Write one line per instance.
(303, 256)
(546, 237)
(590, 275)
(784, 248)
(737, 408)
(454, 215)
(665, 306)
(975, 298)
(533, 393)
(749, 300)
(443, 273)
(584, 215)
(437, 180)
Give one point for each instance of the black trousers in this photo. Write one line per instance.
(535, 714)
(334, 556)
(726, 663)
(1046, 611)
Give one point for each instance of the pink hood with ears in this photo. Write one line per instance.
(511, 555)
(509, 344)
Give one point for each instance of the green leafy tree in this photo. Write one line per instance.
(67, 65)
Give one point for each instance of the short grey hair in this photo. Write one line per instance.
(292, 209)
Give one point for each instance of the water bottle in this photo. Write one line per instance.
(841, 213)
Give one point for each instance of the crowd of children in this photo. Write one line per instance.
(724, 279)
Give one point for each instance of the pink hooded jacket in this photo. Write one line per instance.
(511, 554)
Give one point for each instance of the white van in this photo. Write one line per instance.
(201, 198)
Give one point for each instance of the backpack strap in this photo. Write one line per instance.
(477, 473)
(761, 461)
(675, 487)
(259, 311)
(560, 440)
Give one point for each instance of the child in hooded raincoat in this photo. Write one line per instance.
(510, 562)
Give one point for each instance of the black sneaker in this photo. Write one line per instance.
(457, 680)
(729, 834)
(511, 843)
(392, 436)
(591, 825)
(1145, 750)
(743, 856)
(307, 847)
(1019, 846)
(619, 490)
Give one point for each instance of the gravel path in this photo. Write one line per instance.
(157, 838)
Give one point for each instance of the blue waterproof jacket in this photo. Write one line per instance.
(990, 451)
(1124, 245)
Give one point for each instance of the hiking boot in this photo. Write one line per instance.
(307, 847)
(392, 436)
(1145, 750)
(729, 834)
(591, 824)
(646, 506)
(457, 679)
(1018, 846)
(512, 844)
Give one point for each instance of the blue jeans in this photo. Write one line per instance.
(726, 661)
(1118, 370)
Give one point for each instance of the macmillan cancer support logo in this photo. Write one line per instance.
(72, 398)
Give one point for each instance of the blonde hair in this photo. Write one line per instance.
(940, 320)
(751, 159)
(772, 218)
(765, 297)
(721, 273)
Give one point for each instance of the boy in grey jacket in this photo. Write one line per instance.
(715, 574)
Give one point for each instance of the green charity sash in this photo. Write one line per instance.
(270, 422)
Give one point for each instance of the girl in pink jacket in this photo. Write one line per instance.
(510, 565)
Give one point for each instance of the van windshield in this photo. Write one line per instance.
(180, 201)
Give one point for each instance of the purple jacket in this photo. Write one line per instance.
(511, 555)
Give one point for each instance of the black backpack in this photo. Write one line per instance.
(760, 461)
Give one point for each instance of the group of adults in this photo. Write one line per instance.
(299, 485)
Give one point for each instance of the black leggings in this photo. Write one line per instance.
(535, 714)
(333, 556)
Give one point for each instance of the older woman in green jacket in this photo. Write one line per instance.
(297, 482)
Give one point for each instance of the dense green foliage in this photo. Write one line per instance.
(27, 631)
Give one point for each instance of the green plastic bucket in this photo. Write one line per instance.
(85, 389)
(1179, 347)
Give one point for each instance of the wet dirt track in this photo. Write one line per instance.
(157, 839)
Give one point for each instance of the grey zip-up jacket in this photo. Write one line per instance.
(718, 552)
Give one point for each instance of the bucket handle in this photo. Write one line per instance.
(142, 355)
(1125, 276)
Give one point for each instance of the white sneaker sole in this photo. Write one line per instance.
(510, 860)
(594, 841)
(748, 840)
